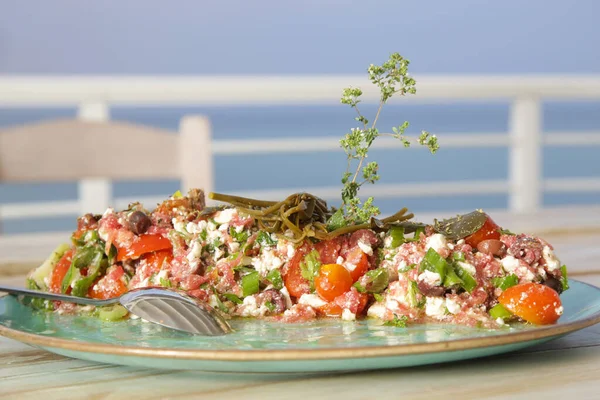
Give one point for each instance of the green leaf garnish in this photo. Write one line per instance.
(239, 237)
(275, 278)
(376, 281)
(391, 78)
(504, 282)
(233, 298)
(564, 280)
(250, 283)
(264, 239)
(398, 321)
(165, 282)
(309, 267)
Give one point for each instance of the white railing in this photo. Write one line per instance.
(94, 95)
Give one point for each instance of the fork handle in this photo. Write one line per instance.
(59, 297)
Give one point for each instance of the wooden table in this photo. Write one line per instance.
(565, 368)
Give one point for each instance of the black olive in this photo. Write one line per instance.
(554, 283)
(429, 290)
(139, 222)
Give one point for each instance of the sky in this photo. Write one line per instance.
(297, 37)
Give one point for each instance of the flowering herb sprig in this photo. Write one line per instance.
(391, 78)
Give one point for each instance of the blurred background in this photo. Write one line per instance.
(446, 42)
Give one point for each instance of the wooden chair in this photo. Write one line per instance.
(94, 153)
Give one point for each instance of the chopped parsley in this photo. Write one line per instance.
(309, 268)
(275, 278)
(265, 240)
(165, 282)
(398, 321)
(239, 237)
(233, 298)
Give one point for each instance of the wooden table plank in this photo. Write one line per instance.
(523, 374)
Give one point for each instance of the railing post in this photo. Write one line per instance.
(93, 111)
(94, 195)
(525, 155)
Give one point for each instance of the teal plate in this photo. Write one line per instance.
(258, 346)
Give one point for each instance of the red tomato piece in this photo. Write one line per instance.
(333, 280)
(60, 270)
(358, 258)
(489, 230)
(329, 250)
(534, 302)
(141, 245)
(109, 286)
(295, 283)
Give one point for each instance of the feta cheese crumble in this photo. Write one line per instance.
(368, 250)
(468, 267)
(225, 216)
(377, 310)
(266, 262)
(552, 262)
(250, 308)
(452, 306)
(510, 264)
(435, 307)
(436, 241)
(559, 310)
(311, 300)
(431, 278)
(348, 315)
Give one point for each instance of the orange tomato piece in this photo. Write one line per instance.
(534, 302)
(156, 260)
(358, 258)
(141, 245)
(60, 270)
(330, 310)
(333, 280)
(489, 230)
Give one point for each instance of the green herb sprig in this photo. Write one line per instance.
(391, 78)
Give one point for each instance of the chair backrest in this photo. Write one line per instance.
(97, 152)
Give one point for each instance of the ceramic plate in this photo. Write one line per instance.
(258, 346)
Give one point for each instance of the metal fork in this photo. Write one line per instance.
(161, 306)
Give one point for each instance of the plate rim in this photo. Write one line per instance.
(304, 354)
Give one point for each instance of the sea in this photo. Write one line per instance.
(296, 170)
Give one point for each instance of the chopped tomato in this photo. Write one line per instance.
(351, 300)
(489, 230)
(295, 283)
(361, 262)
(167, 206)
(60, 270)
(534, 302)
(109, 286)
(363, 298)
(329, 250)
(333, 280)
(156, 260)
(141, 245)
(331, 310)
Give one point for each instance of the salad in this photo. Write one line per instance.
(299, 259)
(465, 270)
